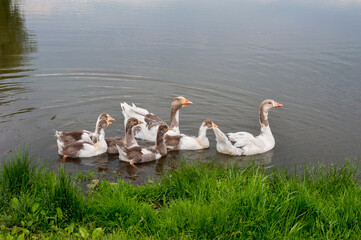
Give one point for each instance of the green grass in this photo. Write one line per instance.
(195, 201)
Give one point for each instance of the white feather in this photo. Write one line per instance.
(224, 145)
(122, 154)
(88, 151)
(243, 143)
(60, 146)
(192, 143)
(146, 151)
(139, 113)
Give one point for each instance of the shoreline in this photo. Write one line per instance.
(196, 200)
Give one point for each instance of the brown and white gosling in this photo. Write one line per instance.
(140, 154)
(88, 149)
(128, 140)
(66, 138)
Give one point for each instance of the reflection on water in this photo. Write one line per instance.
(112, 168)
(15, 40)
(16, 43)
(16, 46)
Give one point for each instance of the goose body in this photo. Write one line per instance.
(148, 131)
(85, 149)
(128, 140)
(66, 138)
(112, 144)
(184, 142)
(140, 154)
(88, 149)
(244, 143)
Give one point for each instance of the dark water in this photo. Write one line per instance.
(64, 62)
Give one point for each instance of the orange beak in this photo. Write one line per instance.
(215, 125)
(186, 102)
(140, 122)
(277, 104)
(109, 122)
(111, 119)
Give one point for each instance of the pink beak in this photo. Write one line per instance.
(276, 104)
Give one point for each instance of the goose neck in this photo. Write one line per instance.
(174, 118)
(202, 133)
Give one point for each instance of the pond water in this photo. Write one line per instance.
(64, 62)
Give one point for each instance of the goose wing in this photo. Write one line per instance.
(148, 130)
(241, 139)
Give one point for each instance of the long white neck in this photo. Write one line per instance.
(266, 130)
(202, 137)
(220, 136)
(96, 131)
(202, 133)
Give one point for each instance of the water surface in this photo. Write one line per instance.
(64, 62)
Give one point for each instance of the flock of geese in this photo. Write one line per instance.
(141, 124)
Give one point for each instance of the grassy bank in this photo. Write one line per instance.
(195, 201)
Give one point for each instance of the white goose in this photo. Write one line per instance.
(148, 131)
(243, 143)
(184, 142)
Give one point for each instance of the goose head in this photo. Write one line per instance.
(208, 124)
(102, 124)
(265, 106)
(162, 130)
(268, 104)
(106, 117)
(179, 102)
(132, 122)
